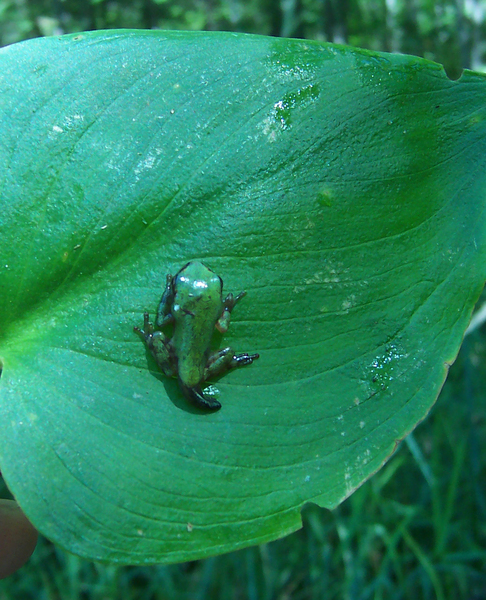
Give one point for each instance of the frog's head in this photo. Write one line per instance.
(196, 280)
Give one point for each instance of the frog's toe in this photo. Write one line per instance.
(244, 359)
(139, 332)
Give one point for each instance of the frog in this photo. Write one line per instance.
(192, 302)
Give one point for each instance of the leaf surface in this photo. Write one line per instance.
(343, 190)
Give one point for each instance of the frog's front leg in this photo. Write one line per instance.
(164, 316)
(229, 303)
(158, 345)
(226, 359)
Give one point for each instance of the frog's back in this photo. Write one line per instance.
(195, 311)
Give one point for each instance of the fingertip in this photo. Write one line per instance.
(18, 538)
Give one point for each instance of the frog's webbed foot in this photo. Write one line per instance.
(226, 359)
(147, 330)
(229, 303)
(196, 396)
(244, 358)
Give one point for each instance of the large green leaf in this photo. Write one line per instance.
(343, 190)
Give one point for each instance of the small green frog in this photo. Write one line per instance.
(192, 301)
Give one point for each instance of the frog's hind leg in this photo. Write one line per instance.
(226, 359)
(196, 396)
(160, 348)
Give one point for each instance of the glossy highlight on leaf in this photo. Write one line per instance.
(342, 190)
